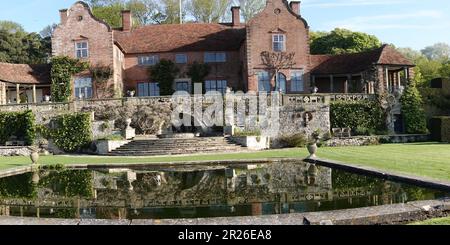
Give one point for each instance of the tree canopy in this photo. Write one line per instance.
(22, 47)
(341, 41)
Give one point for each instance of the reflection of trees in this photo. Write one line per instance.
(19, 186)
(68, 183)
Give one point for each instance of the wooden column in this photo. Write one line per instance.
(18, 93)
(386, 72)
(331, 84)
(406, 75)
(2, 93)
(399, 80)
(34, 94)
(349, 80)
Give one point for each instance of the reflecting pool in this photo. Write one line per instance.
(197, 191)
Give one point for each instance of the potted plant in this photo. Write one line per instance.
(131, 93)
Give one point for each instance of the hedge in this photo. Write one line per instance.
(440, 129)
(19, 124)
(357, 115)
(71, 132)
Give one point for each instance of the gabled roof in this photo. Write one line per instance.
(24, 74)
(181, 38)
(359, 62)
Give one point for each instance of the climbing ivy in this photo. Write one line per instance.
(71, 132)
(164, 73)
(356, 115)
(19, 124)
(63, 68)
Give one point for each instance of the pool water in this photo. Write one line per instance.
(197, 191)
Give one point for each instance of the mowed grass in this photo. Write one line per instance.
(438, 221)
(430, 160)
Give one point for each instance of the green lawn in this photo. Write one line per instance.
(439, 221)
(422, 159)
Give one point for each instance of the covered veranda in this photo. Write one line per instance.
(377, 71)
(21, 83)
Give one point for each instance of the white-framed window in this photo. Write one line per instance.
(83, 88)
(297, 83)
(216, 85)
(215, 57)
(264, 82)
(181, 58)
(182, 86)
(82, 49)
(278, 42)
(148, 60)
(146, 89)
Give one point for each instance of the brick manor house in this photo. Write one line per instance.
(232, 50)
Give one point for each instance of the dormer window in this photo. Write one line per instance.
(82, 49)
(279, 43)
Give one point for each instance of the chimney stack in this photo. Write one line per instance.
(127, 21)
(295, 6)
(63, 16)
(236, 15)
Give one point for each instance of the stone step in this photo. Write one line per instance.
(157, 147)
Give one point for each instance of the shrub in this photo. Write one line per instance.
(297, 140)
(440, 129)
(19, 124)
(366, 115)
(413, 112)
(72, 131)
(247, 132)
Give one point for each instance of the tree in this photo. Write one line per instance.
(111, 14)
(208, 11)
(48, 31)
(438, 51)
(11, 27)
(413, 112)
(198, 72)
(445, 70)
(277, 61)
(164, 73)
(249, 8)
(340, 41)
(23, 48)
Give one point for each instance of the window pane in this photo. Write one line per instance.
(181, 59)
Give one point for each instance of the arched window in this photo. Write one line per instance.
(281, 83)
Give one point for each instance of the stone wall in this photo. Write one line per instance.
(307, 119)
(6, 151)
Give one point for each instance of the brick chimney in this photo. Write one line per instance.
(295, 6)
(236, 15)
(127, 21)
(63, 16)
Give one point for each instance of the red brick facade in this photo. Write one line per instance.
(242, 45)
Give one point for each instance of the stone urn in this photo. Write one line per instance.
(35, 178)
(128, 121)
(312, 149)
(34, 156)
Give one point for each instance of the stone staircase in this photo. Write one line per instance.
(174, 146)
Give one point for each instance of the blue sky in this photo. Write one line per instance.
(405, 23)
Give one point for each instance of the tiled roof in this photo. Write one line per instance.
(25, 74)
(181, 38)
(355, 63)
